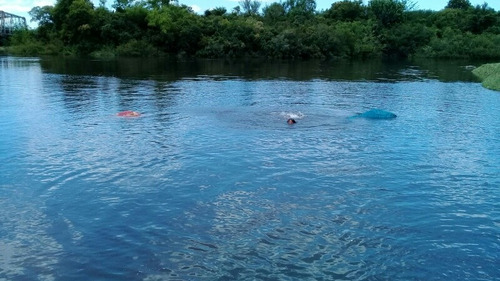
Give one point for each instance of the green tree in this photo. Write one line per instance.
(482, 18)
(388, 12)
(77, 24)
(219, 11)
(285, 44)
(300, 9)
(155, 4)
(345, 40)
(241, 36)
(60, 11)
(123, 25)
(463, 45)
(250, 8)
(459, 4)
(273, 13)
(405, 39)
(455, 19)
(285, 29)
(475, 20)
(42, 15)
(179, 29)
(121, 5)
(347, 10)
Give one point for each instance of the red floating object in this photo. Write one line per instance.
(128, 113)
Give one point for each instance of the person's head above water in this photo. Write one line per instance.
(291, 121)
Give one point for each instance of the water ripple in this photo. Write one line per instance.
(211, 183)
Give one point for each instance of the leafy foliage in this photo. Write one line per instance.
(459, 4)
(388, 12)
(284, 29)
(250, 8)
(347, 10)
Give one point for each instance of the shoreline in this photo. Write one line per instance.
(489, 74)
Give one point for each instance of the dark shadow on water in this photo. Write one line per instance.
(172, 69)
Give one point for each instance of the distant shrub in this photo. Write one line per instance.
(405, 39)
(484, 46)
(463, 45)
(23, 43)
(27, 49)
(347, 10)
(54, 47)
(136, 48)
(107, 52)
(388, 12)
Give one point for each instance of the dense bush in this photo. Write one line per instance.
(285, 29)
(463, 45)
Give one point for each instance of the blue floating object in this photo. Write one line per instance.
(376, 114)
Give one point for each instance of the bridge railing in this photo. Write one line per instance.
(10, 22)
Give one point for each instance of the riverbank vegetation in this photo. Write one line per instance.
(286, 29)
(489, 75)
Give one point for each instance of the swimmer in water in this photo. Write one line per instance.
(128, 113)
(291, 121)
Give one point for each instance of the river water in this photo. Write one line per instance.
(211, 183)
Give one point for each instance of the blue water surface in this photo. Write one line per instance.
(211, 183)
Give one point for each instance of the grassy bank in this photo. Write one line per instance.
(489, 75)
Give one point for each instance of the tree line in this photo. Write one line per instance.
(288, 29)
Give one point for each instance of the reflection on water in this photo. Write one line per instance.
(210, 183)
(169, 69)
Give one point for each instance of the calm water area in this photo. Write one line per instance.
(211, 183)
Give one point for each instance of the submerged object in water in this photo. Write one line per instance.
(376, 114)
(128, 113)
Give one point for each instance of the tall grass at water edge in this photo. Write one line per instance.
(489, 75)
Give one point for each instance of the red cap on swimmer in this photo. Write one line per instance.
(128, 113)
